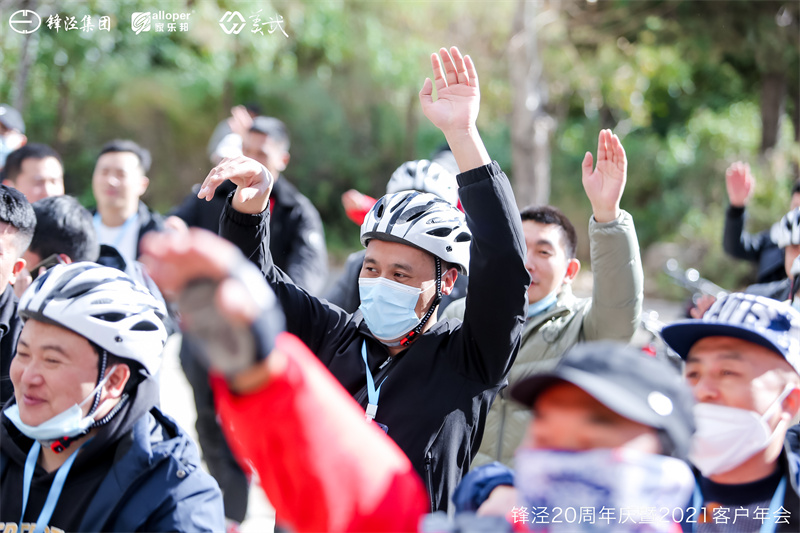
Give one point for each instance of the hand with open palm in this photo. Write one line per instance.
(604, 185)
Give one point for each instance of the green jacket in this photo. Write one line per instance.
(612, 313)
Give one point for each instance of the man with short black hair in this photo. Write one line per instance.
(17, 225)
(64, 234)
(556, 318)
(743, 365)
(36, 170)
(118, 182)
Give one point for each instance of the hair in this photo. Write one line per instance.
(273, 128)
(14, 161)
(16, 211)
(64, 226)
(125, 145)
(547, 214)
(795, 188)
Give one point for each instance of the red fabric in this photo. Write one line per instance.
(322, 466)
(358, 215)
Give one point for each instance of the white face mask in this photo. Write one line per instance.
(728, 436)
(69, 423)
(614, 478)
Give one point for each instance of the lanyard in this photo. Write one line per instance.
(372, 392)
(122, 231)
(55, 489)
(774, 505)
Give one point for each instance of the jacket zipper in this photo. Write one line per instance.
(429, 478)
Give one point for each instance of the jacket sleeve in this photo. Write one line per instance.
(188, 209)
(321, 465)
(315, 322)
(737, 242)
(496, 293)
(476, 486)
(307, 262)
(618, 281)
(195, 506)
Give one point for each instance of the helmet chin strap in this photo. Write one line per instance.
(411, 335)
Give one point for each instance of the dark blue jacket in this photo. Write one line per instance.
(155, 483)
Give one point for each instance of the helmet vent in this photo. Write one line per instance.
(464, 237)
(413, 214)
(145, 325)
(109, 317)
(440, 232)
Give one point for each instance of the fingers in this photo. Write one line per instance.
(586, 166)
(460, 66)
(618, 153)
(426, 93)
(438, 72)
(449, 67)
(601, 146)
(472, 73)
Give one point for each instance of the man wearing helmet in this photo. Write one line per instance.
(428, 385)
(421, 175)
(786, 235)
(83, 447)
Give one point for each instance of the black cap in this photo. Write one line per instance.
(11, 118)
(627, 381)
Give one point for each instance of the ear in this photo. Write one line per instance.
(573, 267)
(283, 162)
(145, 182)
(791, 404)
(19, 265)
(118, 378)
(67, 259)
(449, 280)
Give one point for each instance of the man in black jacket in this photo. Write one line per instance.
(429, 385)
(17, 224)
(758, 248)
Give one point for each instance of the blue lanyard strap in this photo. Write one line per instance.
(372, 392)
(55, 490)
(767, 526)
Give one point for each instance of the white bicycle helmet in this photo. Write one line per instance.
(424, 221)
(105, 306)
(424, 176)
(786, 232)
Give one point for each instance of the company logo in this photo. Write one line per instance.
(163, 21)
(235, 27)
(141, 22)
(25, 21)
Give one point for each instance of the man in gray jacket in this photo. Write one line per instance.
(556, 318)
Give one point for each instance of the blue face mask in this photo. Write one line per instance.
(542, 305)
(68, 423)
(5, 149)
(388, 307)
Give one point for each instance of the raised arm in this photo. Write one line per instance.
(496, 294)
(617, 291)
(456, 108)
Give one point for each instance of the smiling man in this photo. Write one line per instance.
(556, 318)
(84, 446)
(742, 362)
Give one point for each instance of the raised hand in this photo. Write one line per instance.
(458, 95)
(253, 183)
(740, 183)
(456, 107)
(604, 185)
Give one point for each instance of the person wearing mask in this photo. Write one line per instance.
(742, 363)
